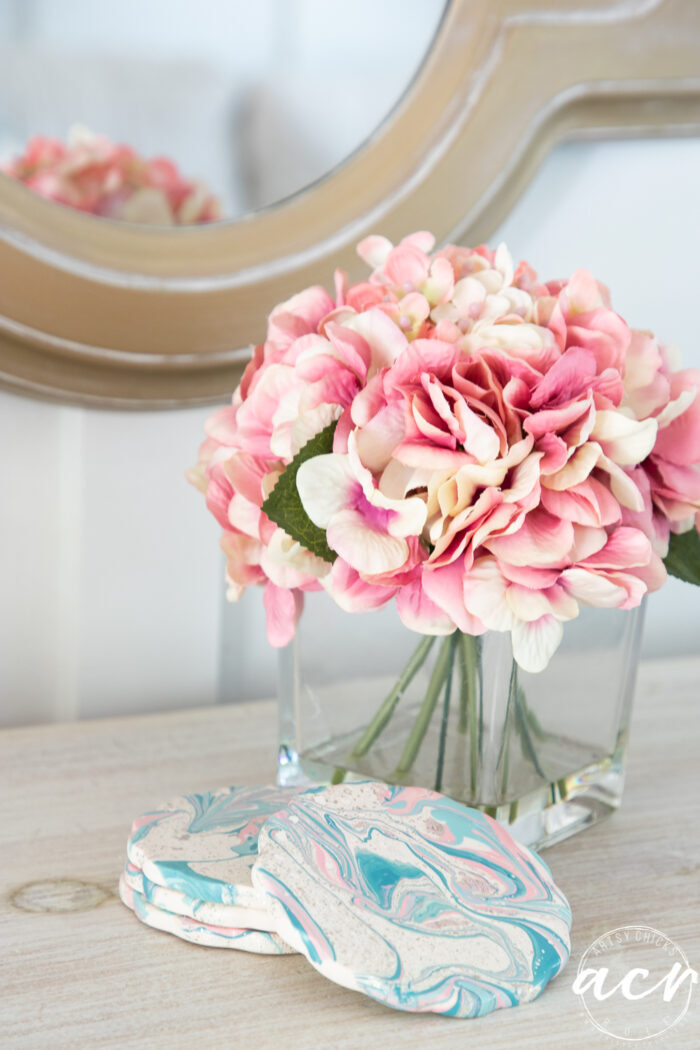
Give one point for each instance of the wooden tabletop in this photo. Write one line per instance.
(78, 971)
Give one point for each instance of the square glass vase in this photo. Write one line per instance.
(361, 696)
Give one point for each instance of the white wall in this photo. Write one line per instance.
(111, 574)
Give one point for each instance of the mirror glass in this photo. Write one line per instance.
(255, 99)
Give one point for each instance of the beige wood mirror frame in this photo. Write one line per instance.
(109, 314)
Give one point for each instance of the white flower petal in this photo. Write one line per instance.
(485, 595)
(527, 604)
(384, 338)
(503, 262)
(592, 589)
(535, 643)
(312, 422)
(374, 250)
(325, 485)
(481, 440)
(365, 549)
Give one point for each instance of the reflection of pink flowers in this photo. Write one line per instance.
(94, 175)
(505, 450)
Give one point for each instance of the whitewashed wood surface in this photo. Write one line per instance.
(91, 977)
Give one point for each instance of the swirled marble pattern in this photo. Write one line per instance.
(206, 911)
(203, 846)
(187, 929)
(413, 899)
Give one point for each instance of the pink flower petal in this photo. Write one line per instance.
(445, 587)
(419, 613)
(679, 440)
(566, 379)
(625, 549)
(352, 593)
(589, 503)
(283, 609)
(542, 540)
(406, 266)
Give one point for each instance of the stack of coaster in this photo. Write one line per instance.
(396, 892)
(188, 869)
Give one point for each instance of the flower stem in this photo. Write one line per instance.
(445, 715)
(470, 697)
(420, 728)
(388, 707)
(504, 756)
(521, 721)
(469, 662)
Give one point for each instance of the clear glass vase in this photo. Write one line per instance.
(362, 696)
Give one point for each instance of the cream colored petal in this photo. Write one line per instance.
(622, 486)
(624, 440)
(576, 470)
(503, 262)
(677, 407)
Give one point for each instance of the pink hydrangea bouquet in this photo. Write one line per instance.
(92, 174)
(487, 450)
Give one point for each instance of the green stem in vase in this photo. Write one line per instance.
(470, 656)
(470, 697)
(445, 715)
(388, 706)
(420, 727)
(523, 727)
(504, 755)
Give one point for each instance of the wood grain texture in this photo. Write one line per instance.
(85, 975)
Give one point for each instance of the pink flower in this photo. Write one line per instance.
(505, 450)
(669, 476)
(94, 175)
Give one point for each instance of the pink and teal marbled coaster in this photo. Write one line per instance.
(205, 911)
(188, 929)
(203, 845)
(412, 899)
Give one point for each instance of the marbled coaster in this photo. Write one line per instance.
(188, 929)
(206, 911)
(203, 846)
(413, 899)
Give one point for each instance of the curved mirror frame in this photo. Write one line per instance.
(110, 314)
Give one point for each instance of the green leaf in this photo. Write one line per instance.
(683, 558)
(284, 506)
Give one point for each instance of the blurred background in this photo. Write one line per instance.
(112, 595)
